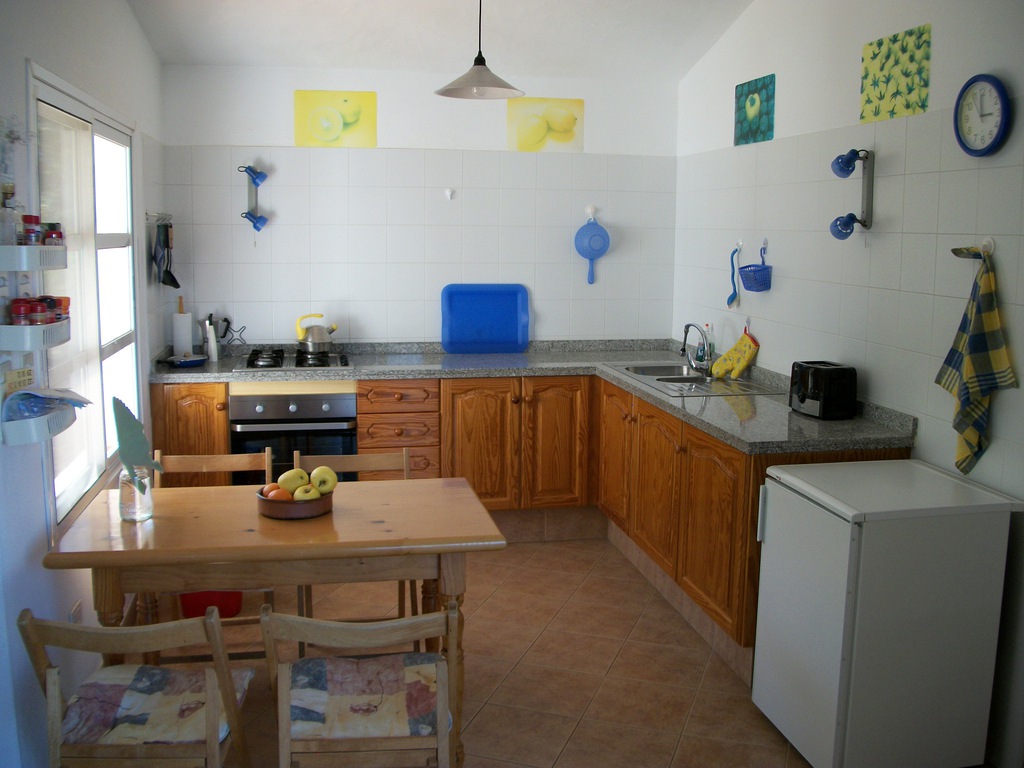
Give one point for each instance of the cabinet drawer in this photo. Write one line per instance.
(395, 430)
(404, 395)
(424, 462)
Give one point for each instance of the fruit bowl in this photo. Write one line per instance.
(294, 510)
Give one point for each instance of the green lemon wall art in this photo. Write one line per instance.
(754, 119)
(335, 118)
(895, 74)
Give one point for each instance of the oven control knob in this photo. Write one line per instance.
(292, 408)
(259, 407)
(325, 407)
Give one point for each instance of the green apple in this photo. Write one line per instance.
(293, 479)
(324, 478)
(306, 493)
(349, 110)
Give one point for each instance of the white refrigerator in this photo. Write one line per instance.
(878, 612)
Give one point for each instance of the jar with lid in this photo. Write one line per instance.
(135, 505)
(20, 312)
(37, 313)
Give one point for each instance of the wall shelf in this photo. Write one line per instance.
(33, 338)
(41, 428)
(32, 258)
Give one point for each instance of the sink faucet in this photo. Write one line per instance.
(697, 365)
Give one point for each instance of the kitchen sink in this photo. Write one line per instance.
(683, 381)
(678, 373)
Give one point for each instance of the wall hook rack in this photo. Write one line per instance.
(843, 166)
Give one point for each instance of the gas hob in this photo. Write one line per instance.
(279, 360)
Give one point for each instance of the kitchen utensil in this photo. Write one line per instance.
(592, 242)
(181, 361)
(168, 277)
(757, 277)
(485, 318)
(314, 338)
(734, 296)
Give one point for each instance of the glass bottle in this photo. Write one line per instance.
(134, 505)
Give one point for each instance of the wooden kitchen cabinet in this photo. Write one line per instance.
(191, 419)
(521, 442)
(713, 539)
(640, 475)
(404, 413)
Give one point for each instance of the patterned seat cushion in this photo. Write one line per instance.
(132, 704)
(392, 695)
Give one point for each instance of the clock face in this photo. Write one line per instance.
(982, 115)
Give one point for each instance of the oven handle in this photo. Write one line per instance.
(314, 426)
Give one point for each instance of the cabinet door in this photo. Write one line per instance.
(657, 481)
(194, 420)
(555, 441)
(713, 527)
(615, 453)
(480, 437)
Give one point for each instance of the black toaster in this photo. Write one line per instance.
(824, 390)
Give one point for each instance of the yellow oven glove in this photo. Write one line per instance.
(735, 361)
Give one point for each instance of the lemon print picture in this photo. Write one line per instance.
(335, 119)
(545, 125)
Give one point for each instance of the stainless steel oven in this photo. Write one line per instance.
(314, 417)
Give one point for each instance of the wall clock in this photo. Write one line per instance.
(981, 117)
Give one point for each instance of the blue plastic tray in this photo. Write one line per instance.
(481, 318)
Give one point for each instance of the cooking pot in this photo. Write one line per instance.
(314, 338)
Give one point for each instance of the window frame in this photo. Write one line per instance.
(45, 86)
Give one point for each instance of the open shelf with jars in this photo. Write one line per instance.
(33, 338)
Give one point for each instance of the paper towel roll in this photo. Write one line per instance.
(181, 333)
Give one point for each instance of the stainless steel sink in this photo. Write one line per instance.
(683, 381)
(677, 372)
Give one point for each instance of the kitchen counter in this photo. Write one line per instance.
(752, 424)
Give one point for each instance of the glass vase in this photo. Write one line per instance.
(134, 505)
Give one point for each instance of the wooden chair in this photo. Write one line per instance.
(130, 714)
(388, 709)
(359, 462)
(223, 462)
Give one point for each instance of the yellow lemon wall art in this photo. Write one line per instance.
(335, 119)
(895, 74)
(545, 125)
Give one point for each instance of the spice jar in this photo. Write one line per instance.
(32, 233)
(37, 313)
(20, 312)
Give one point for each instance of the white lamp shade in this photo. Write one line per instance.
(479, 83)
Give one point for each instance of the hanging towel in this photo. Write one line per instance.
(976, 365)
(159, 248)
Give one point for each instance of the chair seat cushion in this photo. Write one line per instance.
(390, 695)
(140, 704)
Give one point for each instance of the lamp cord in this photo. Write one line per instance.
(479, 29)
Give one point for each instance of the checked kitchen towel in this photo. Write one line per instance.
(976, 365)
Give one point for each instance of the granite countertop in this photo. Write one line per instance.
(753, 424)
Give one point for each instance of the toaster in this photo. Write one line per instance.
(824, 390)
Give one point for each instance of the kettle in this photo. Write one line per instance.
(315, 338)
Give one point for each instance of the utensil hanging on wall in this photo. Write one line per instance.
(168, 277)
(592, 241)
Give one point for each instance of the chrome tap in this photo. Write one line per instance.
(697, 365)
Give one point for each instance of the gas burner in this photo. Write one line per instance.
(304, 359)
(265, 358)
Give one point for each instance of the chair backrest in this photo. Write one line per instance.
(357, 462)
(359, 637)
(219, 462)
(114, 642)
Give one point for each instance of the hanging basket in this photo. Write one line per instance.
(757, 277)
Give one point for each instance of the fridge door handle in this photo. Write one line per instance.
(761, 494)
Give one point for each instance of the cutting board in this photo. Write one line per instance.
(481, 318)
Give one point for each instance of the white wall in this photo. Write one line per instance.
(96, 46)
(887, 301)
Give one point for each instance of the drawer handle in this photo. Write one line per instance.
(398, 396)
(220, 406)
(399, 432)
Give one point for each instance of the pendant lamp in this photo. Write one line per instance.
(479, 82)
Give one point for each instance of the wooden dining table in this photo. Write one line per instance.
(215, 538)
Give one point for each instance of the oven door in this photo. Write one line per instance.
(321, 437)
